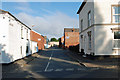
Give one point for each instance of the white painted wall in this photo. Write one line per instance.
(4, 49)
(85, 43)
(54, 43)
(84, 15)
(102, 35)
(102, 11)
(33, 46)
(12, 30)
(104, 40)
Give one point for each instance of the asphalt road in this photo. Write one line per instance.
(54, 63)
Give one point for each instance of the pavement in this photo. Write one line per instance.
(54, 63)
(106, 63)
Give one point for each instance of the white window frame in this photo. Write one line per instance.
(114, 40)
(114, 14)
(81, 25)
(89, 40)
(89, 19)
(22, 32)
(27, 34)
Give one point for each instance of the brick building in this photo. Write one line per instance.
(36, 37)
(71, 37)
(61, 42)
(45, 39)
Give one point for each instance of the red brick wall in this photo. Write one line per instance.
(61, 42)
(62, 39)
(73, 39)
(42, 43)
(45, 39)
(34, 37)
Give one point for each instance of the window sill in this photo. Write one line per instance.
(115, 23)
(116, 48)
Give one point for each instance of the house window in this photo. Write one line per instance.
(27, 49)
(27, 34)
(89, 40)
(3, 17)
(117, 35)
(116, 14)
(21, 32)
(81, 24)
(117, 39)
(89, 18)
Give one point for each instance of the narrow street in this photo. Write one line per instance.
(60, 39)
(54, 63)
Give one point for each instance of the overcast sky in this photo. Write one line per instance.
(48, 18)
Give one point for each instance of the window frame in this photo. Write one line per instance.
(114, 35)
(27, 34)
(22, 32)
(89, 40)
(112, 14)
(115, 39)
(81, 25)
(89, 19)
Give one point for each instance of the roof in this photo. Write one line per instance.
(2, 12)
(36, 32)
(82, 5)
(71, 29)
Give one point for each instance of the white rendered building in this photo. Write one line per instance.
(99, 24)
(14, 38)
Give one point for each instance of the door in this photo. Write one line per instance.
(85, 44)
(21, 51)
(82, 42)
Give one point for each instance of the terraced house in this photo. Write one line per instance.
(99, 24)
(14, 38)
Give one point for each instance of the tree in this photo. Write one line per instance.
(59, 39)
(54, 39)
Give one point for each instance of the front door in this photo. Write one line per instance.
(85, 44)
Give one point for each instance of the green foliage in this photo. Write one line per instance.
(59, 39)
(54, 39)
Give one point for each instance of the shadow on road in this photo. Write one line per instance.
(25, 68)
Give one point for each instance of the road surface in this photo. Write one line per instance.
(55, 63)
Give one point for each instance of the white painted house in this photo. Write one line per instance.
(99, 24)
(14, 38)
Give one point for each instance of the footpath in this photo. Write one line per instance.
(19, 63)
(107, 63)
